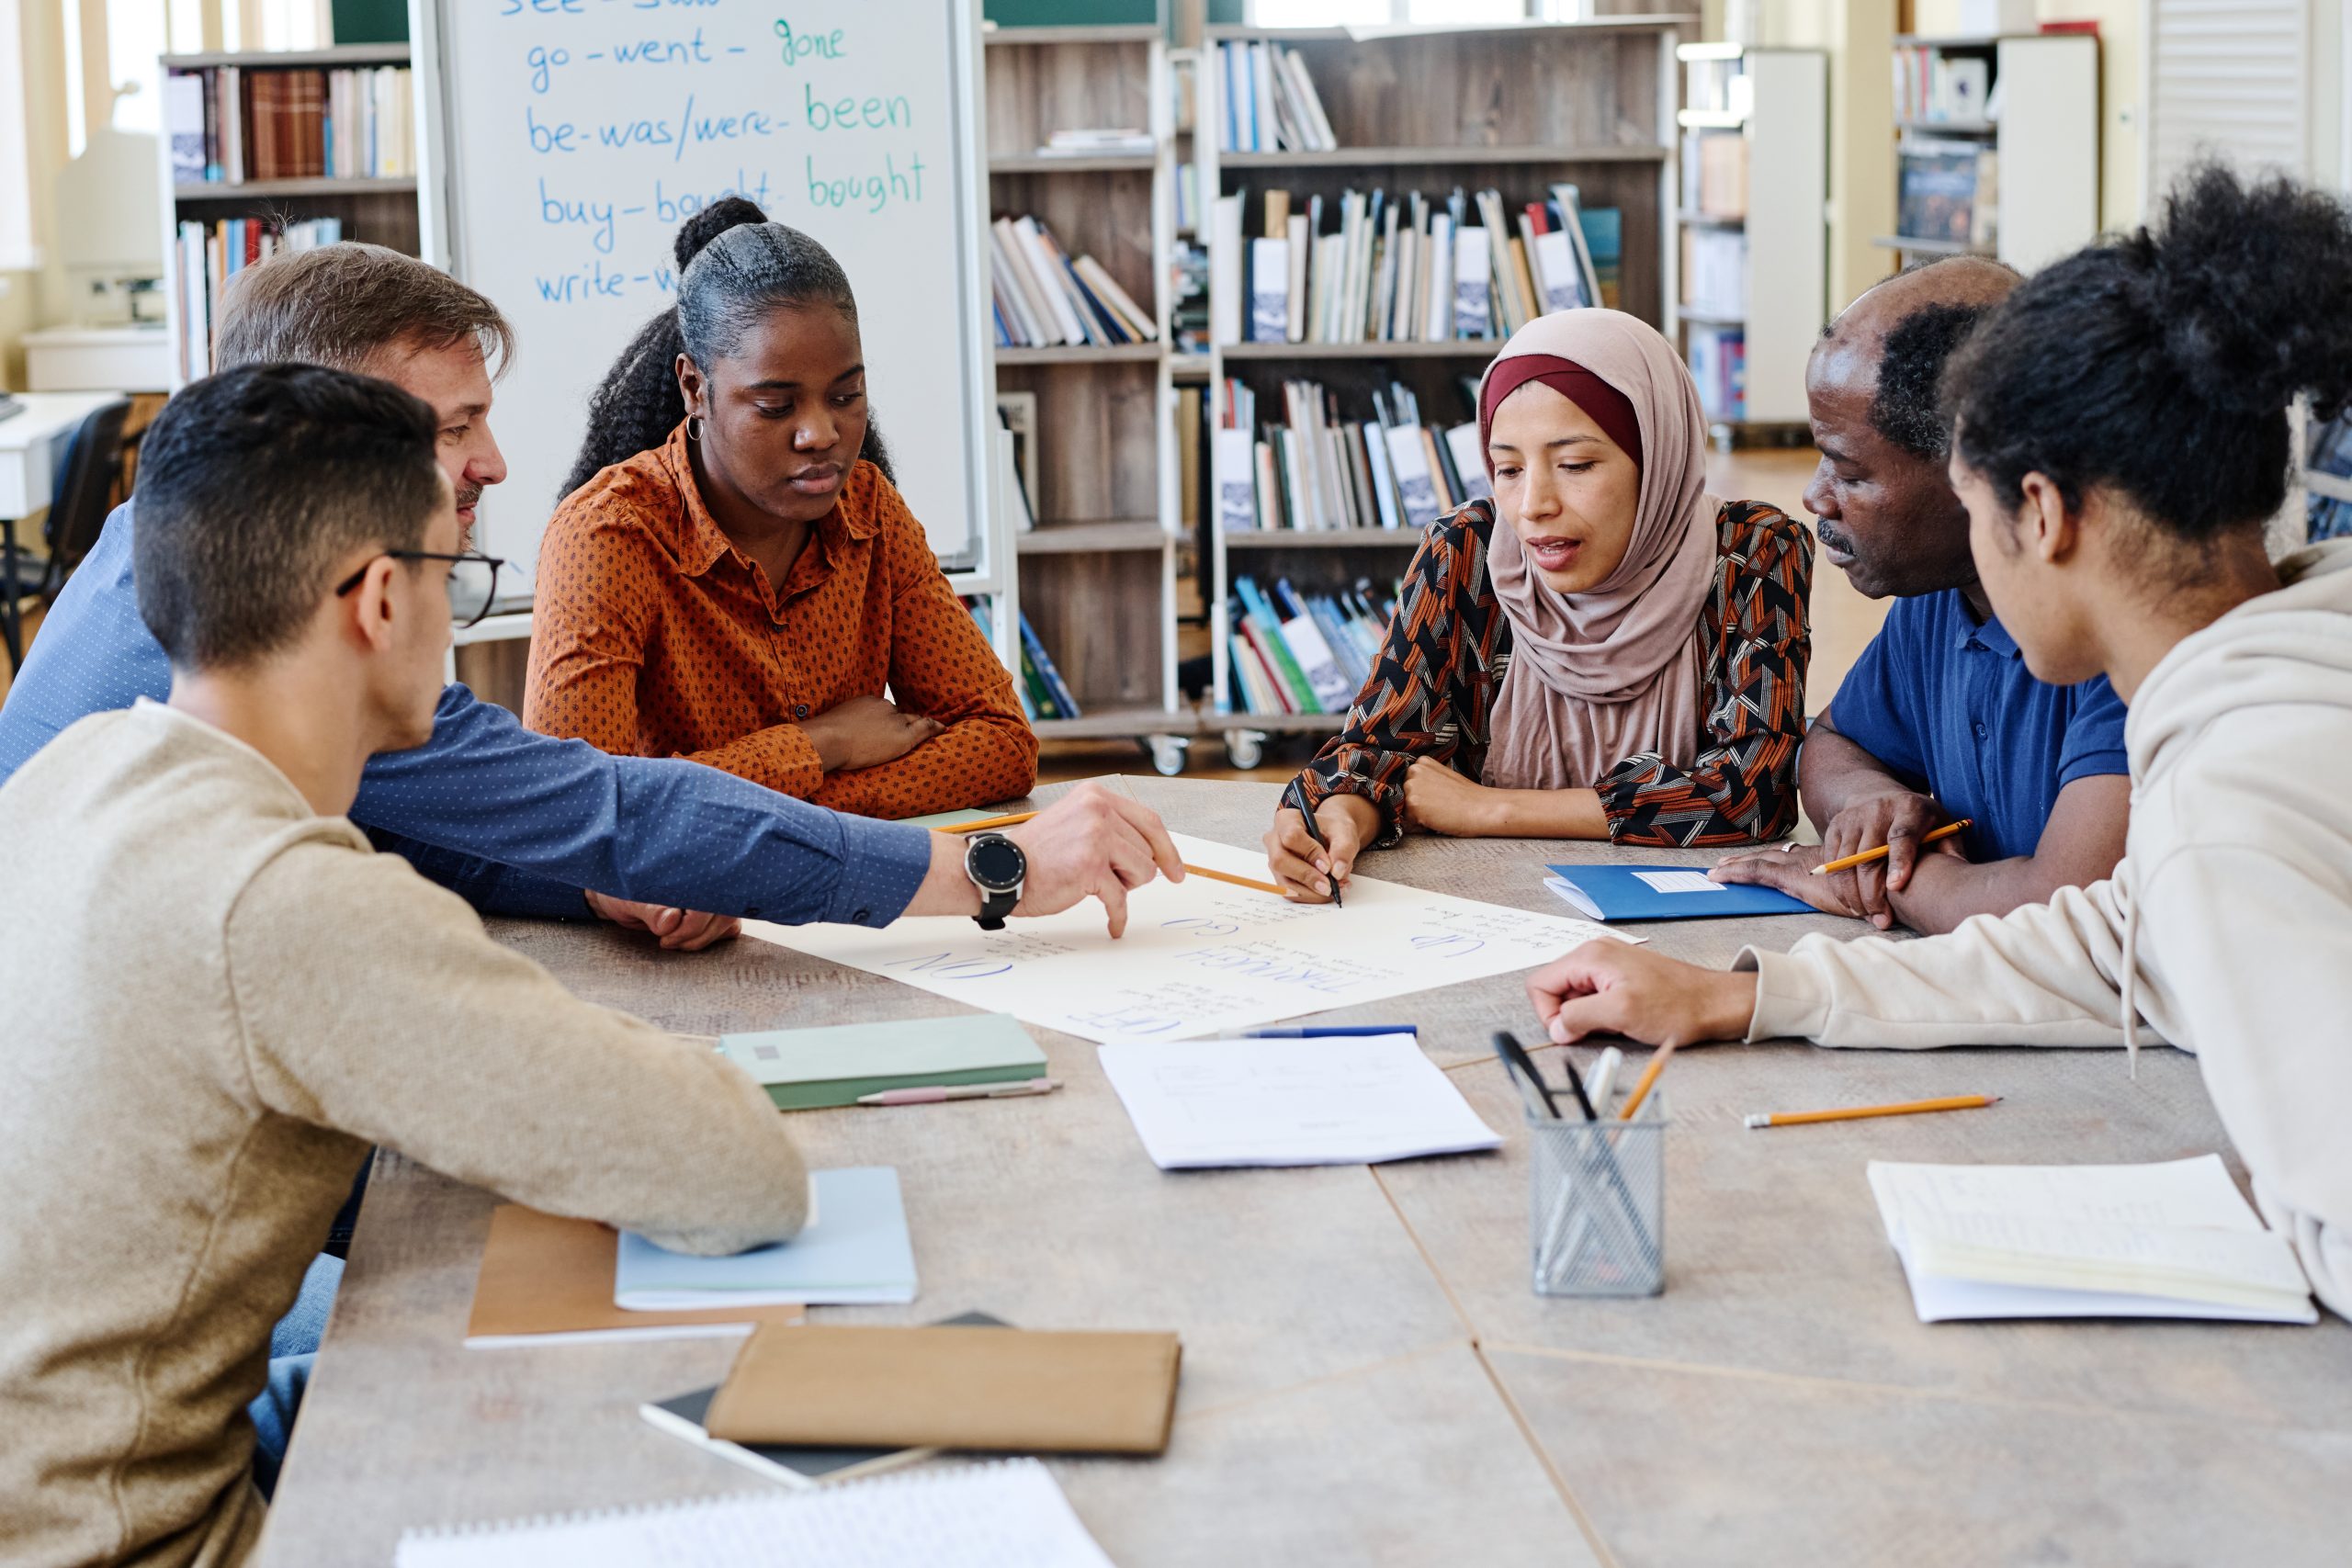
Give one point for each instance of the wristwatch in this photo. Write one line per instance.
(996, 868)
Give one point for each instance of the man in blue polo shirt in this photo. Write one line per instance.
(1939, 720)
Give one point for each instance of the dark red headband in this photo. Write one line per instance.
(1602, 404)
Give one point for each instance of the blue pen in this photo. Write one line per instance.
(1334, 1032)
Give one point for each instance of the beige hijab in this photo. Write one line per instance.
(1614, 671)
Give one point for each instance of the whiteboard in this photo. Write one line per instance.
(570, 138)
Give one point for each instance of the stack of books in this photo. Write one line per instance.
(210, 254)
(228, 125)
(1302, 653)
(1369, 269)
(1043, 298)
(1271, 105)
(1312, 469)
(1097, 144)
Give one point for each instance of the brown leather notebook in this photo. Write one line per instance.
(545, 1279)
(1006, 1389)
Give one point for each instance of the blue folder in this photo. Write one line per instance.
(1616, 891)
(854, 1249)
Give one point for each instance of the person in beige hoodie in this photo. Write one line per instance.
(2121, 439)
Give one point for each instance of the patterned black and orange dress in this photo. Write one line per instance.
(1433, 690)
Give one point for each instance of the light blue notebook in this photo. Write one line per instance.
(855, 1251)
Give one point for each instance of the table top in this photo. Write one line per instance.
(1368, 1377)
(48, 413)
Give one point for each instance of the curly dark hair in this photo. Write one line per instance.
(734, 267)
(1906, 407)
(2160, 363)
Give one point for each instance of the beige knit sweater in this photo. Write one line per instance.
(214, 1001)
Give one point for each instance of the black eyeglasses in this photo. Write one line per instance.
(473, 581)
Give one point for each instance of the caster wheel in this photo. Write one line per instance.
(1244, 748)
(1168, 754)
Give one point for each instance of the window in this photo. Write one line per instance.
(17, 253)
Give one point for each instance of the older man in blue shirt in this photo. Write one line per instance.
(1939, 720)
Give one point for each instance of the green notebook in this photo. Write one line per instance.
(804, 1069)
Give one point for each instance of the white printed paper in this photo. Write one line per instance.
(1346, 1101)
(1200, 957)
(1679, 881)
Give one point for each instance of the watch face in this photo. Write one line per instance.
(996, 864)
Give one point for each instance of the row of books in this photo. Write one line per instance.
(1401, 270)
(1931, 87)
(1715, 271)
(1043, 298)
(1948, 190)
(1043, 692)
(1290, 653)
(1718, 360)
(1714, 173)
(229, 124)
(1269, 101)
(206, 256)
(1311, 469)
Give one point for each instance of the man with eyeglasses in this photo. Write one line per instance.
(523, 823)
(519, 823)
(219, 996)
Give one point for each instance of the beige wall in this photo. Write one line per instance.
(35, 298)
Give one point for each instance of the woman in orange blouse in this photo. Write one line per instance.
(734, 578)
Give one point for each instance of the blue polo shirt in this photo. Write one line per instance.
(1945, 701)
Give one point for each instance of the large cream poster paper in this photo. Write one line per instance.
(1201, 956)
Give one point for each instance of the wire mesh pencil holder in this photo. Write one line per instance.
(1596, 1209)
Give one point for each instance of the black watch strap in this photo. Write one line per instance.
(994, 908)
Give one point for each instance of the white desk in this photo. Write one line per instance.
(31, 443)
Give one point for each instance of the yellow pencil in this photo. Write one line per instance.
(1236, 881)
(988, 822)
(1856, 1113)
(1648, 1080)
(1945, 831)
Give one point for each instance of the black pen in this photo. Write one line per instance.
(1314, 831)
(1575, 1082)
(1520, 1069)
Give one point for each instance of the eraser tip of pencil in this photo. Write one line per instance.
(1758, 1119)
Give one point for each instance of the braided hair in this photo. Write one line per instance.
(734, 267)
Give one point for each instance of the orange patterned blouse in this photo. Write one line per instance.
(654, 636)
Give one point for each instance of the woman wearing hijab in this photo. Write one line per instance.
(1603, 651)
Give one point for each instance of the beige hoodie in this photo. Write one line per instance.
(2227, 928)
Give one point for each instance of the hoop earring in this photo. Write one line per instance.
(693, 428)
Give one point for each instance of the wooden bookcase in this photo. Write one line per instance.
(1783, 116)
(1516, 108)
(1097, 575)
(2045, 95)
(380, 211)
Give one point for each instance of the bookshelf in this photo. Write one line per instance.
(1516, 110)
(1755, 272)
(382, 209)
(1097, 572)
(2027, 107)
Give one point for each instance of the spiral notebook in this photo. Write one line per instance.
(1006, 1515)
